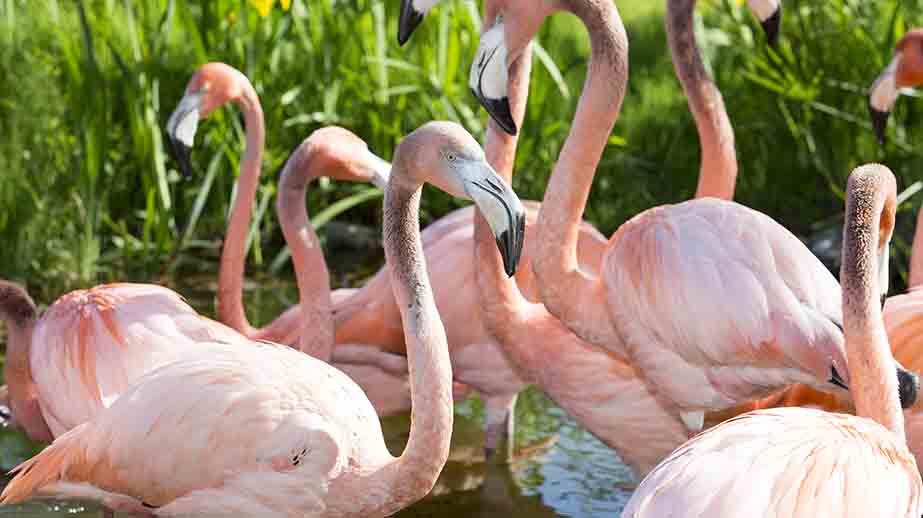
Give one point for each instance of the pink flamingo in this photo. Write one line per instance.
(713, 302)
(617, 406)
(803, 462)
(369, 315)
(306, 442)
(560, 363)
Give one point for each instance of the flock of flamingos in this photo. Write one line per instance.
(692, 314)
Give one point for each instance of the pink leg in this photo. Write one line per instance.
(501, 416)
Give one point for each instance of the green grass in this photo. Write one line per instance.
(87, 193)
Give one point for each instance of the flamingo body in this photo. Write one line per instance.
(91, 345)
(293, 432)
(718, 303)
(792, 462)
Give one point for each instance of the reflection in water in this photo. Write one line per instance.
(568, 473)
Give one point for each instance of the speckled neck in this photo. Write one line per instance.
(870, 209)
(413, 474)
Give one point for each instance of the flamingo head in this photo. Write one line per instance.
(447, 156)
(344, 156)
(904, 71)
(212, 86)
(488, 78)
(769, 13)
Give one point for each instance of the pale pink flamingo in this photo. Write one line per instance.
(803, 462)
(693, 361)
(267, 431)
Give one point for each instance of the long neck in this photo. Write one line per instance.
(413, 474)
(718, 170)
(307, 257)
(872, 379)
(234, 252)
(916, 255)
(499, 295)
(568, 293)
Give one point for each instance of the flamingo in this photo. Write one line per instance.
(618, 408)
(803, 462)
(701, 345)
(903, 314)
(271, 431)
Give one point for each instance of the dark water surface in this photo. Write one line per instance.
(559, 469)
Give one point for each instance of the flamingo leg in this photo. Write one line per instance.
(501, 423)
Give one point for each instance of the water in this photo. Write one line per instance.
(559, 469)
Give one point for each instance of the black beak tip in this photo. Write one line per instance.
(771, 27)
(510, 243)
(408, 22)
(837, 380)
(182, 154)
(879, 123)
(908, 386)
(505, 244)
(499, 111)
(520, 235)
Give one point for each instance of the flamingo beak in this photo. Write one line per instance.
(771, 27)
(181, 129)
(381, 170)
(409, 20)
(769, 13)
(503, 211)
(883, 95)
(488, 77)
(908, 386)
(837, 380)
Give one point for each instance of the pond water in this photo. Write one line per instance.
(559, 468)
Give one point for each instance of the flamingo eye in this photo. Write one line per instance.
(451, 157)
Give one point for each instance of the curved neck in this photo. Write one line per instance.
(572, 296)
(872, 380)
(718, 169)
(412, 475)
(307, 257)
(916, 254)
(234, 251)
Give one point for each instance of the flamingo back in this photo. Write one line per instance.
(719, 304)
(790, 462)
(262, 430)
(93, 344)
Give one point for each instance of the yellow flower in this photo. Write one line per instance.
(264, 6)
